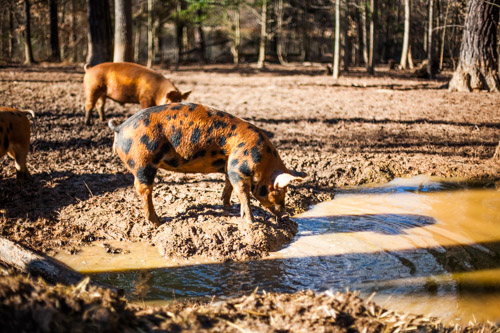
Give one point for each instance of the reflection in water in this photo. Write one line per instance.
(422, 245)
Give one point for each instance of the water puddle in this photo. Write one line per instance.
(422, 245)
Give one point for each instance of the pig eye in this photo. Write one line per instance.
(263, 191)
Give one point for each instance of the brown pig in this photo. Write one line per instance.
(193, 138)
(15, 138)
(125, 82)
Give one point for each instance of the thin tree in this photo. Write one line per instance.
(150, 33)
(429, 39)
(54, 32)
(28, 50)
(279, 31)
(406, 36)
(263, 36)
(100, 35)
(235, 45)
(477, 66)
(443, 34)
(336, 51)
(123, 50)
(373, 15)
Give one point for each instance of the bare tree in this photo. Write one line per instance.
(430, 73)
(100, 35)
(279, 31)
(28, 50)
(263, 36)
(406, 36)
(123, 50)
(54, 32)
(373, 15)
(336, 51)
(150, 33)
(477, 67)
(235, 46)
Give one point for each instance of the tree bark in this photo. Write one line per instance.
(54, 32)
(336, 51)
(123, 31)
(406, 36)
(263, 36)
(477, 67)
(201, 37)
(28, 50)
(100, 34)
(443, 34)
(35, 264)
(364, 21)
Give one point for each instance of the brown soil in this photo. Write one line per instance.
(36, 307)
(353, 131)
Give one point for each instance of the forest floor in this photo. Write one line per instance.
(356, 130)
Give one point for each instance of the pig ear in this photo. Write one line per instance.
(283, 179)
(174, 96)
(185, 95)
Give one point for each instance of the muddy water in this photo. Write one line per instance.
(421, 245)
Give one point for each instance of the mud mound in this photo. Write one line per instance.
(210, 232)
(28, 306)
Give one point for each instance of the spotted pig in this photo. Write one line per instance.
(194, 138)
(126, 82)
(15, 138)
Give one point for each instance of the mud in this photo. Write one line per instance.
(353, 131)
(36, 307)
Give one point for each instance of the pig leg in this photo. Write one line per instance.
(100, 109)
(146, 192)
(243, 192)
(226, 193)
(19, 153)
(91, 98)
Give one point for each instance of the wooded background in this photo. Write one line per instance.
(400, 33)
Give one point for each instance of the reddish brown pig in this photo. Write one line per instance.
(125, 82)
(194, 138)
(15, 138)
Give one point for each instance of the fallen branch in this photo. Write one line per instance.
(30, 262)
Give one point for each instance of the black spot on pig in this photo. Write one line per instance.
(263, 191)
(146, 175)
(176, 137)
(150, 145)
(256, 156)
(245, 169)
(131, 163)
(234, 177)
(195, 136)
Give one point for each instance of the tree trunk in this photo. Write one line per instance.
(12, 40)
(373, 13)
(201, 38)
(364, 9)
(54, 32)
(336, 51)
(28, 50)
(179, 28)
(123, 31)
(443, 34)
(345, 46)
(235, 46)
(263, 36)
(406, 37)
(100, 34)
(477, 67)
(73, 39)
(430, 73)
(279, 32)
(150, 34)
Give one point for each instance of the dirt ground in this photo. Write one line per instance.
(353, 131)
